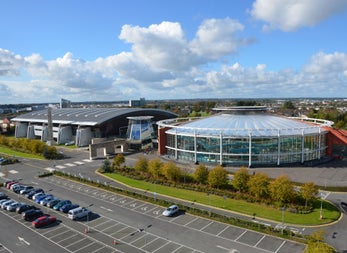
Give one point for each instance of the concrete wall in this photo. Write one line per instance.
(21, 130)
(64, 135)
(108, 147)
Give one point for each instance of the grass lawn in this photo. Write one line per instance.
(10, 152)
(330, 212)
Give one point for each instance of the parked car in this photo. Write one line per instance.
(78, 213)
(7, 182)
(46, 200)
(24, 208)
(3, 196)
(30, 194)
(3, 201)
(14, 186)
(42, 197)
(171, 210)
(14, 206)
(66, 208)
(32, 214)
(61, 203)
(43, 221)
(7, 203)
(17, 188)
(26, 189)
(8, 185)
(38, 195)
(52, 202)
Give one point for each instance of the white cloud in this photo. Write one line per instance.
(291, 15)
(217, 38)
(10, 64)
(163, 64)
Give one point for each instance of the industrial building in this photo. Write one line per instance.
(248, 136)
(80, 126)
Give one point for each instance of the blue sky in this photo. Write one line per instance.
(110, 50)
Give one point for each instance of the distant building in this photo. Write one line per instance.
(64, 103)
(137, 103)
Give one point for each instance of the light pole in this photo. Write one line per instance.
(282, 218)
(87, 229)
(321, 207)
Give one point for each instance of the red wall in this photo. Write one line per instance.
(162, 140)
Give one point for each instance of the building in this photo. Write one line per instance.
(80, 126)
(247, 136)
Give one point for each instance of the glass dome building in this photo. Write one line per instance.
(246, 136)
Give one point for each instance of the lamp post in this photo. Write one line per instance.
(87, 229)
(282, 218)
(321, 207)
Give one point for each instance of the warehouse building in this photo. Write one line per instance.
(80, 126)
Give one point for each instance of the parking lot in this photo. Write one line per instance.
(142, 238)
(123, 224)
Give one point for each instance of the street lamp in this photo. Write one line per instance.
(282, 218)
(321, 207)
(87, 229)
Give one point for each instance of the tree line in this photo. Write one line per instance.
(255, 187)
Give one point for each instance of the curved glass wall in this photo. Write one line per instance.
(247, 151)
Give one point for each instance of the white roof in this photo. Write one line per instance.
(244, 125)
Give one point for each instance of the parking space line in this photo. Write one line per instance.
(162, 246)
(68, 238)
(256, 245)
(92, 242)
(280, 246)
(191, 221)
(244, 232)
(206, 226)
(102, 223)
(223, 230)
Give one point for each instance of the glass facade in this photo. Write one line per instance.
(248, 151)
(246, 136)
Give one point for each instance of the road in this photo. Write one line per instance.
(122, 224)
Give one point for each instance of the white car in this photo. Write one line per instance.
(171, 210)
(78, 213)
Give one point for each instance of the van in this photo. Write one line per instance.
(78, 213)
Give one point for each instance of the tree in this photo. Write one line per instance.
(118, 160)
(172, 172)
(155, 167)
(217, 177)
(142, 164)
(308, 192)
(316, 243)
(201, 174)
(240, 180)
(281, 190)
(106, 166)
(258, 185)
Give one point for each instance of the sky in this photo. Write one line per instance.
(113, 50)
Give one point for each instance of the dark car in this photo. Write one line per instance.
(68, 207)
(32, 214)
(60, 204)
(53, 202)
(3, 196)
(43, 221)
(33, 192)
(24, 208)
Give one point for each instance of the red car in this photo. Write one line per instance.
(43, 221)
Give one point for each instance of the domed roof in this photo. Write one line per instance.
(244, 125)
